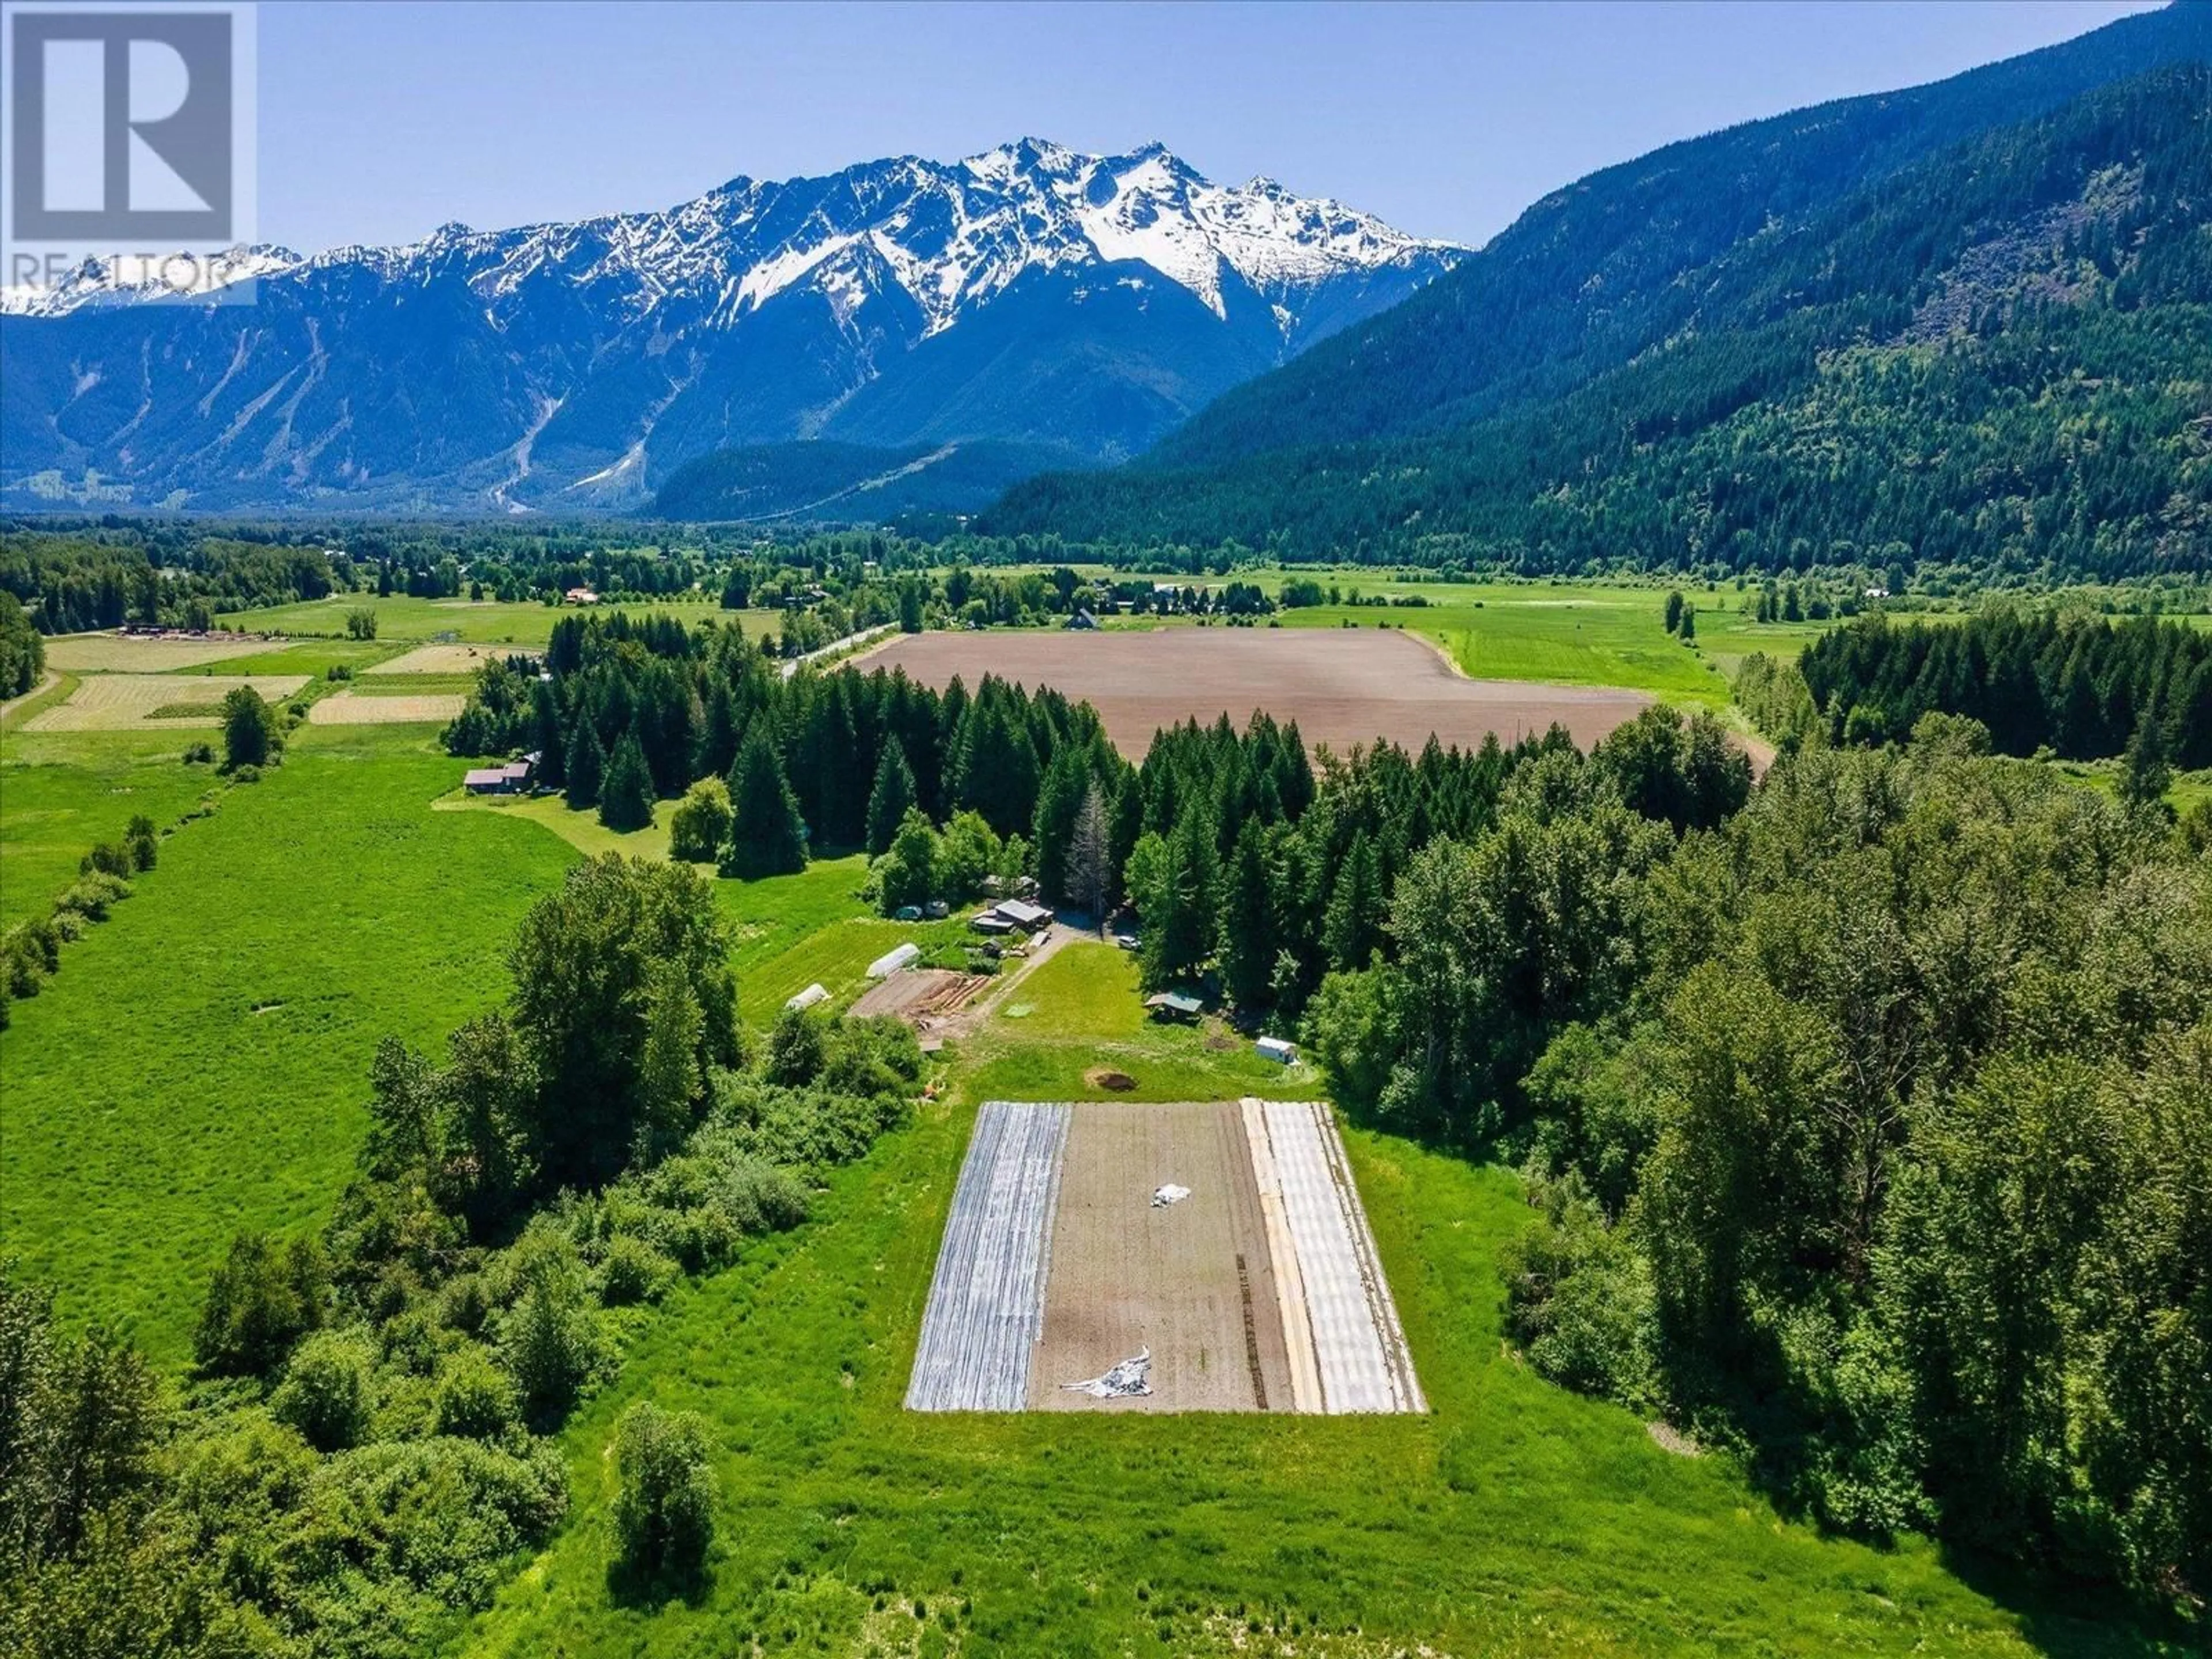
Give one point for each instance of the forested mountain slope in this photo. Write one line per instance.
(2002, 354)
(1620, 261)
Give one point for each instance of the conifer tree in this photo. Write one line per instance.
(587, 763)
(893, 794)
(1090, 856)
(1247, 945)
(768, 836)
(626, 796)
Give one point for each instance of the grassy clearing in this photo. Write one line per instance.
(582, 830)
(1080, 1011)
(1516, 1518)
(60, 794)
(200, 1063)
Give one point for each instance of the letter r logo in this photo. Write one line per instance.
(121, 125)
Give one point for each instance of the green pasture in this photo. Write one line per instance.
(61, 792)
(200, 1063)
(1516, 1518)
(472, 622)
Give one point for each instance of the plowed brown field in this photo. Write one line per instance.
(1343, 686)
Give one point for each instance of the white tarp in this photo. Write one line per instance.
(1133, 1376)
(1171, 1193)
(889, 963)
(809, 997)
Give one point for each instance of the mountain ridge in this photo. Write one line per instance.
(584, 360)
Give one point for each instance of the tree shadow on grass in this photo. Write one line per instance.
(648, 1592)
(2075, 1618)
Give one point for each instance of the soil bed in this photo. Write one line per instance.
(1342, 688)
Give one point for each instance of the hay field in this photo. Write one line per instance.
(1259, 1290)
(439, 659)
(352, 708)
(122, 653)
(126, 702)
(1342, 688)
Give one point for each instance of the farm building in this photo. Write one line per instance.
(1081, 619)
(511, 779)
(1020, 913)
(1173, 1005)
(1277, 1049)
(990, 921)
(808, 997)
(581, 596)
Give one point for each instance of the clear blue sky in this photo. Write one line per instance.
(379, 121)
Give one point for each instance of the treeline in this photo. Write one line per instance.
(1868, 1127)
(361, 1458)
(631, 712)
(69, 582)
(2081, 687)
(22, 653)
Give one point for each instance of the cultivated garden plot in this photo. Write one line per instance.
(1203, 1256)
(128, 703)
(1342, 688)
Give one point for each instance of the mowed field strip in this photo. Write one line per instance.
(351, 708)
(125, 654)
(1342, 688)
(1260, 1291)
(123, 702)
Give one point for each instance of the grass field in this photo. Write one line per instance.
(1516, 1518)
(60, 794)
(1079, 1012)
(200, 1063)
(470, 621)
(582, 830)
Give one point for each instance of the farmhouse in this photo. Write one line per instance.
(581, 596)
(511, 779)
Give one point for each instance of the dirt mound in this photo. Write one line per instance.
(1100, 1076)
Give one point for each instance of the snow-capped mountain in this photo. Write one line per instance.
(1082, 303)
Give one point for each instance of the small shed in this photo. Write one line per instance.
(808, 997)
(487, 780)
(891, 961)
(1174, 1005)
(1279, 1049)
(1020, 913)
(990, 921)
